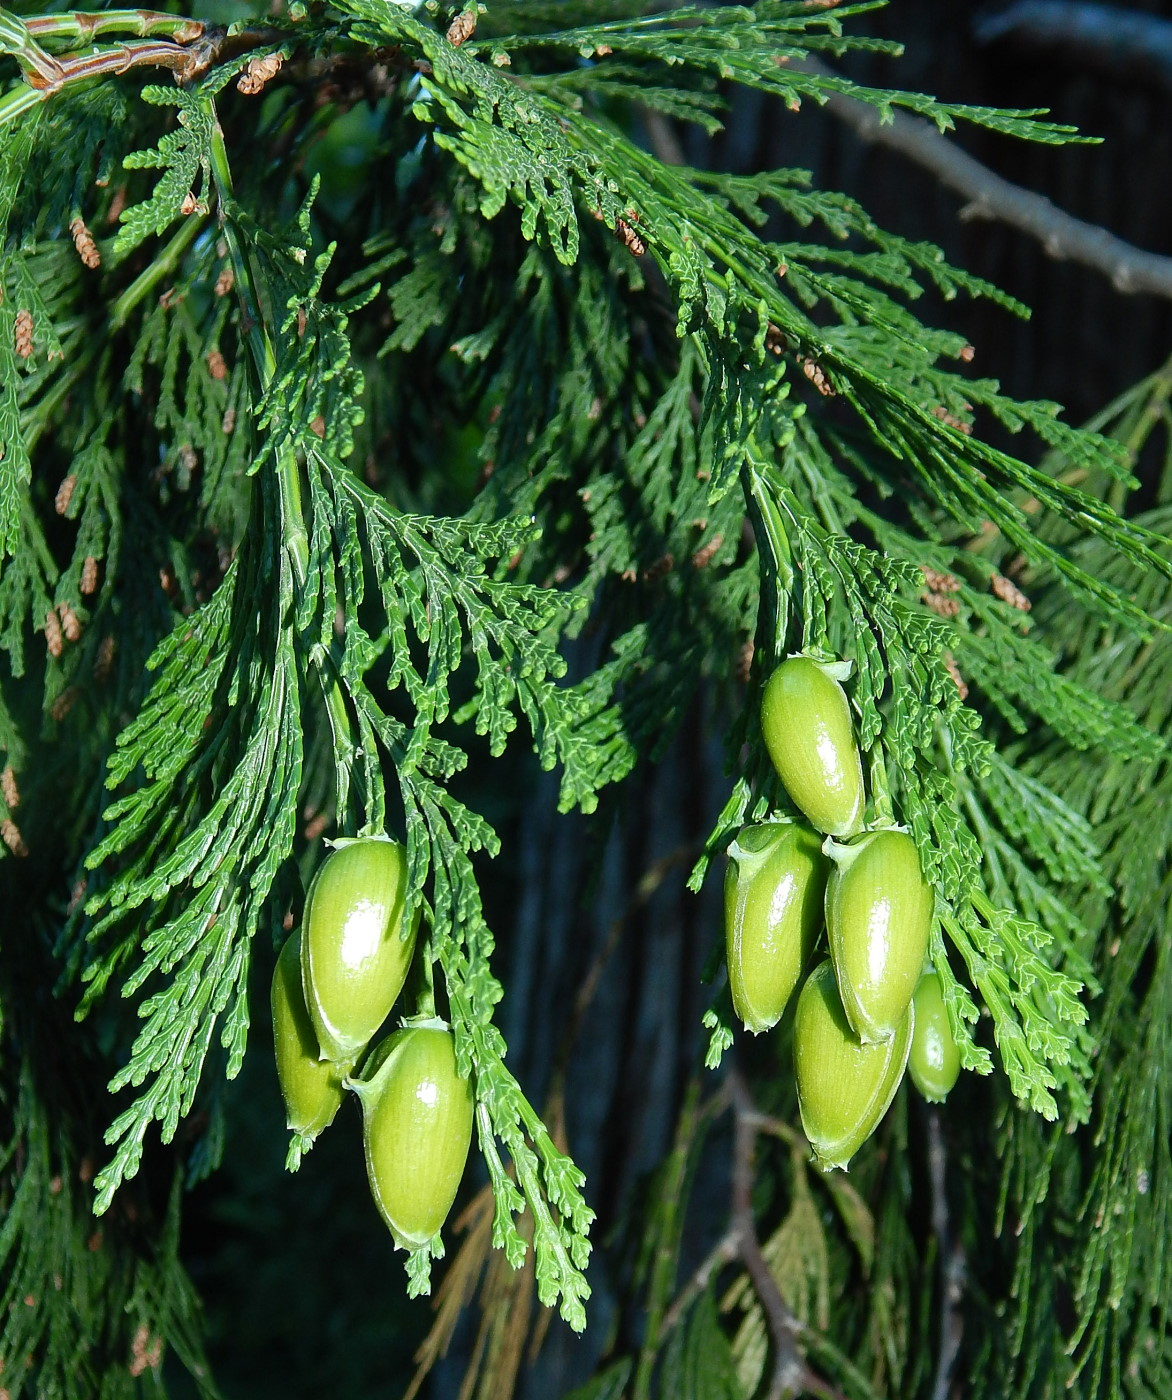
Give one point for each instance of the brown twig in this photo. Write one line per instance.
(187, 60)
(792, 1374)
(1130, 269)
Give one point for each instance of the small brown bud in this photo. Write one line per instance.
(104, 659)
(190, 204)
(53, 633)
(89, 575)
(117, 204)
(703, 556)
(217, 366)
(258, 72)
(626, 232)
(819, 378)
(23, 333)
(318, 426)
(229, 421)
(943, 604)
(64, 494)
(745, 661)
(9, 789)
(225, 282)
(954, 671)
(70, 623)
(10, 835)
(83, 241)
(940, 582)
(462, 27)
(1008, 592)
(64, 703)
(952, 420)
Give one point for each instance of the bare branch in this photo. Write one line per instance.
(1130, 269)
(792, 1374)
(1125, 43)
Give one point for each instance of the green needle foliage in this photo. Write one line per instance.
(350, 472)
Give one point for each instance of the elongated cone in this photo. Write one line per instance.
(844, 1087)
(773, 896)
(354, 951)
(878, 917)
(806, 724)
(934, 1062)
(417, 1127)
(311, 1087)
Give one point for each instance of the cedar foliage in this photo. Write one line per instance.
(307, 489)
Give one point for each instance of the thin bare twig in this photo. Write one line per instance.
(1130, 269)
(792, 1374)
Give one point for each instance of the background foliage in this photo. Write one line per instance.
(392, 436)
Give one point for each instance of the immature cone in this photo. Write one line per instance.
(878, 918)
(844, 1086)
(806, 724)
(934, 1062)
(355, 952)
(417, 1127)
(311, 1086)
(773, 894)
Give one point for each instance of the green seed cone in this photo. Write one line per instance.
(417, 1127)
(934, 1062)
(844, 1087)
(806, 724)
(879, 914)
(354, 956)
(311, 1087)
(773, 895)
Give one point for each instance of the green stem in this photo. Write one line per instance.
(85, 27)
(19, 100)
(294, 533)
(770, 530)
(43, 414)
(15, 39)
(880, 786)
(160, 267)
(426, 1003)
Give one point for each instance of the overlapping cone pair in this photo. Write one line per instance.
(335, 983)
(868, 1011)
